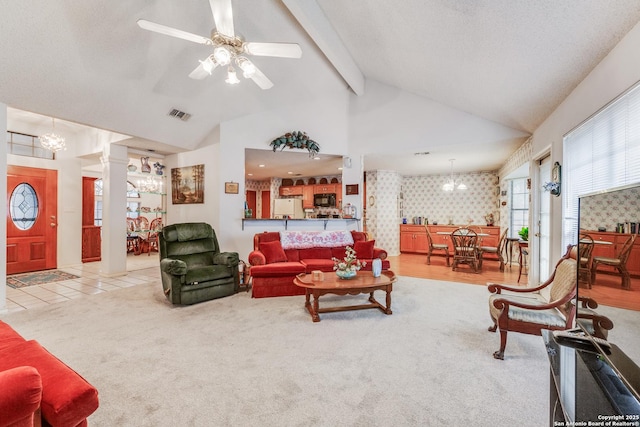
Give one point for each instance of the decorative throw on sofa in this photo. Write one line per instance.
(315, 239)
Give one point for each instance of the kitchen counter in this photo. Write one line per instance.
(323, 221)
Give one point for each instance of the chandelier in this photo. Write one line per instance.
(52, 141)
(150, 185)
(451, 184)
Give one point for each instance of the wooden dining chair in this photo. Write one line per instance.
(154, 229)
(619, 262)
(495, 250)
(465, 248)
(585, 258)
(435, 247)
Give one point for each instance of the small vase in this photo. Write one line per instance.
(346, 274)
(376, 267)
(145, 168)
(132, 168)
(158, 171)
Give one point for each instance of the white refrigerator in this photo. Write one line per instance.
(288, 208)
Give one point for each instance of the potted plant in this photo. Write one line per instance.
(524, 233)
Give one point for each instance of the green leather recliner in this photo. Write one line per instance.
(193, 268)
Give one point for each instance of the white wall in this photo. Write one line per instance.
(324, 120)
(619, 70)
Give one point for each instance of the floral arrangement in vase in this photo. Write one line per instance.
(347, 267)
(158, 167)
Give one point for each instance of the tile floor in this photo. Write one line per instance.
(141, 269)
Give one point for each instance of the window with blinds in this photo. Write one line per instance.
(601, 153)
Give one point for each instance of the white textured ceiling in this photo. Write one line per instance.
(508, 61)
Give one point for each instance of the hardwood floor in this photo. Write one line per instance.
(606, 290)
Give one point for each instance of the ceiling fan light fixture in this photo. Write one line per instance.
(208, 65)
(232, 78)
(222, 55)
(51, 141)
(247, 67)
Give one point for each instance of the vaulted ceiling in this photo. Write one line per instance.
(507, 61)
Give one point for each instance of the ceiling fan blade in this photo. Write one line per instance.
(223, 16)
(168, 31)
(282, 50)
(261, 80)
(200, 72)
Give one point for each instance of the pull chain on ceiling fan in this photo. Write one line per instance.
(228, 48)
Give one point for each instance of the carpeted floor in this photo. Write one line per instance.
(239, 361)
(37, 278)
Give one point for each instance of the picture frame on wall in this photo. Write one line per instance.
(231, 187)
(187, 185)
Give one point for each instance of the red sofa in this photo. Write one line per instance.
(274, 265)
(67, 398)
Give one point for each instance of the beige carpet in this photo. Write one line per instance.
(239, 361)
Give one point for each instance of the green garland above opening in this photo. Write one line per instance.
(296, 139)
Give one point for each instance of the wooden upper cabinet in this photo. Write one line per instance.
(325, 188)
(292, 190)
(307, 197)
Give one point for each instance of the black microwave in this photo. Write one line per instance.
(325, 200)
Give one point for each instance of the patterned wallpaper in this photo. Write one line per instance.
(398, 196)
(383, 216)
(608, 209)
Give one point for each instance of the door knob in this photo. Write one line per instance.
(53, 224)
(537, 234)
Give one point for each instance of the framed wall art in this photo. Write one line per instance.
(187, 185)
(231, 187)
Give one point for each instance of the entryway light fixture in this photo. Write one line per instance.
(451, 184)
(52, 141)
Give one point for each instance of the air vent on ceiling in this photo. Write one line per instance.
(179, 114)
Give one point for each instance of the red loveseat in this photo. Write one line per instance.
(275, 263)
(67, 399)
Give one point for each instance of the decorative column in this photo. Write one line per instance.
(114, 210)
(3, 208)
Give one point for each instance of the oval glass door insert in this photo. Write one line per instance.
(23, 206)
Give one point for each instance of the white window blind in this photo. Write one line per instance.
(601, 153)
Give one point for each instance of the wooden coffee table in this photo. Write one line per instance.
(363, 283)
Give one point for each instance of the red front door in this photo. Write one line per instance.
(32, 219)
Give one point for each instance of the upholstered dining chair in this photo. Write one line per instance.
(465, 248)
(619, 262)
(498, 250)
(528, 310)
(435, 247)
(585, 253)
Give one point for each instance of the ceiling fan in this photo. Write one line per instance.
(228, 48)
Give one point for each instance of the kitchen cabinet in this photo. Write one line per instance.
(291, 190)
(326, 188)
(413, 238)
(307, 197)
